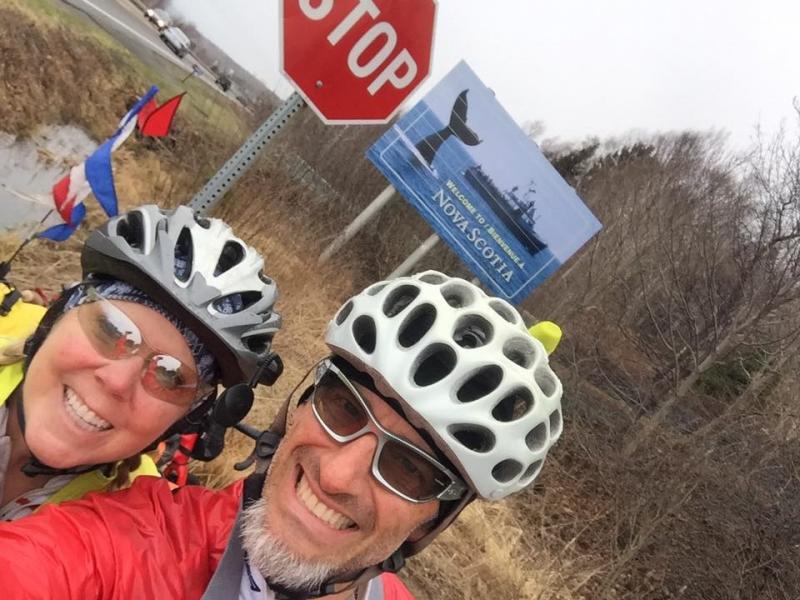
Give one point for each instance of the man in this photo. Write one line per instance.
(434, 394)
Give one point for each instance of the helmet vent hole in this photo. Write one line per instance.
(556, 424)
(520, 351)
(433, 277)
(472, 331)
(344, 312)
(458, 296)
(473, 437)
(202, 221)
(364, 333)
(532, 470)
(480, 384)
(232, 254)
(376, 289)
(504, 310)
(514, 406)
(537, 438)
(437, 362)
(258, 343)
(182, 266)
(416, 325)
(265, 279)
(506, 470)
(545, 379)
(399, 298)
(131, 229)
(237, 302)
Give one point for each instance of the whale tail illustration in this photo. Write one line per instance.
(457, 127)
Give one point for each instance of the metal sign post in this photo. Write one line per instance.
(243, 158)
(413, 258)
(364, 217)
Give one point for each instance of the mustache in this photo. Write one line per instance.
(353, 504)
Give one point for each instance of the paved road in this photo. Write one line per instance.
(126, 22)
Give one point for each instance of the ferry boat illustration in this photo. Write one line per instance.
(518, 214)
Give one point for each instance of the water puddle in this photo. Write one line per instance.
(29, 168)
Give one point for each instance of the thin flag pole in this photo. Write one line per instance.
(5, 266)
(30, 237)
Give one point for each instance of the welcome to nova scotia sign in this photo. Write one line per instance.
(484, 186)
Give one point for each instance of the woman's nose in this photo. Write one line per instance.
(120, 377)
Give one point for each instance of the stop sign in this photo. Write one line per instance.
(355, 61)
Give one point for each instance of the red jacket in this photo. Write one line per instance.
(146, 542)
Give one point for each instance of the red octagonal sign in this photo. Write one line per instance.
(355, 61)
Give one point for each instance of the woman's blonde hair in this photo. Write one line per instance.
(11, 351)
(124, 469)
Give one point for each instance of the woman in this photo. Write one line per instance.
(170, 306)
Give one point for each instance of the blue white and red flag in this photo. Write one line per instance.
(93, 175)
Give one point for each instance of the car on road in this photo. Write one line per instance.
(224, 80)
(158, 17)
(176, 40)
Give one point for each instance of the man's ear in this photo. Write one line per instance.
(422, 530)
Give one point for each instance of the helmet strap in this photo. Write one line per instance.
(34, 466)
(443, 521)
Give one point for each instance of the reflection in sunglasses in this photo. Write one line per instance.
(115, 336)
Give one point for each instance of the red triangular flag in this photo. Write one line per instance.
(60, 197)
(159, 121)
(147, 110)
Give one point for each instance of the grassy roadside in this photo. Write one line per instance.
(112, 70)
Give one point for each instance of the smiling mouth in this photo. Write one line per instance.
(327, 515)
(83, 416)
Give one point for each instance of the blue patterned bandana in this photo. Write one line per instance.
(112, 289)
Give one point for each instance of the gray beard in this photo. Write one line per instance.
(273, 559)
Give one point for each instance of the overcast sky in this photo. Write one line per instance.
(585, 67)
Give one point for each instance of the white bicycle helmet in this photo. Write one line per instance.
(464, 369)
(210, 279)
